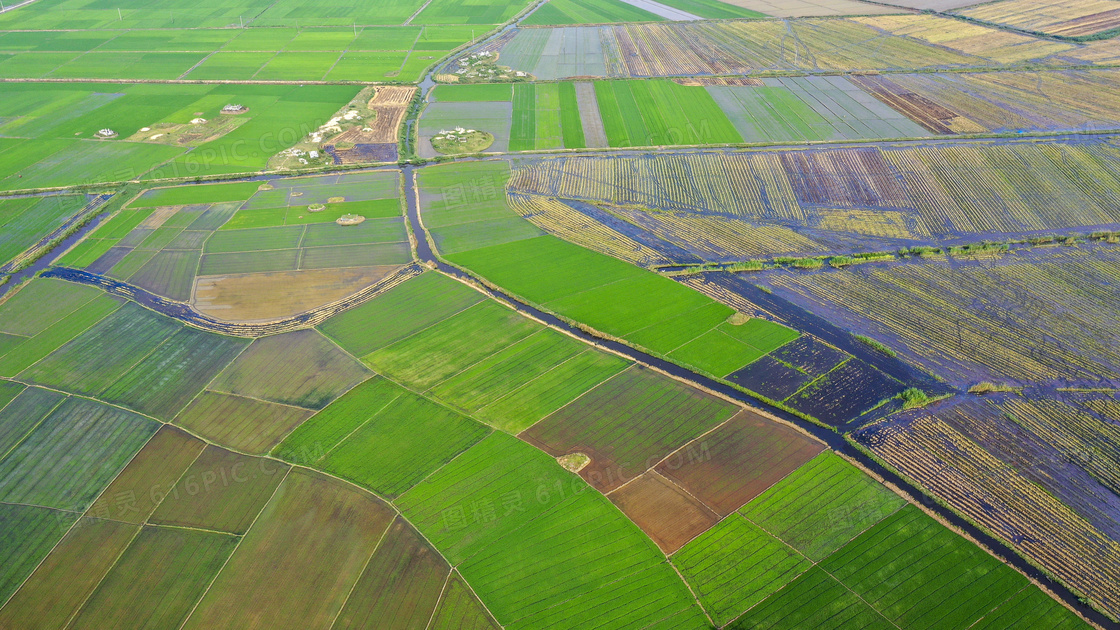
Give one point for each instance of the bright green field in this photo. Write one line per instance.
(531, 535)
(822, 505)
(50, 128)
(563, 12)
(661, 112)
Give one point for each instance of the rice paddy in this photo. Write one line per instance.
(480, 314)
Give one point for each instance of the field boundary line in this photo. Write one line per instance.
(205, 387)
(695, 597)
(240, 540)
(486, 358)
(567, 404)
(42, 419)
(314, 412)
(999, 605)
(357, 428)
(537, 378)
(71, 528)
(397, 511)
(439, 600)
(45, 507)
(15, 377)
(817, 565)
(413, 16)
(117, 560)
(339, 58)
(365, 567)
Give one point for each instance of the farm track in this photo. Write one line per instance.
(835, 441)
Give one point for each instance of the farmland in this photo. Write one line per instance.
(483, 314)
(1084, 18)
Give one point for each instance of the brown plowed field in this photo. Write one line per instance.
(666, 513)
(627, 424)
(738, 461)
(257, 297)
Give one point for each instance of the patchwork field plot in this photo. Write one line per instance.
(550, 116)
(283, 242)
(314, 532)
(59, 586)
(735, 565)
(665, 512)
(968, 443)
(281, 367)
(628, 424)
(401, 584)
(918, 194)
(51, 130)
(71, 454)
(29, 533)
(413, 435)
(545, 522)
(163, 572)
(247, 424)
(143, 484)
(220, 491)
(661, 49)
(821, 506)
(301, 368)
(738, 461)
(1082, 18)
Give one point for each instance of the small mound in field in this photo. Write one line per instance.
(336, 199)
(574, 462)
(105, 133)
(738, 319)
(234, 109)
(295, 193)
(316, 207)
(350, 219)
(459, 141)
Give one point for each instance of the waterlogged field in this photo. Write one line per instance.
(848, 200)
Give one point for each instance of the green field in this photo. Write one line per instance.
(658, 112)
(164, 570)
(588, 12)
(73, 453)
(170, 377)
(935, 576)
(512, 516)
(401, 584)
(629, 422)
(735, 565)
(412, 436)
(50, 129)
(24, 221)
(456, 343)
(28, 533)
(101, 355)
(399, 313)
(822, 505)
